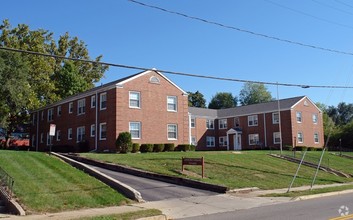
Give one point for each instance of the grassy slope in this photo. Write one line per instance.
(45, 184)
(248, 169)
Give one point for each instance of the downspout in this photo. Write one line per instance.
(265, 129)
(190, 127)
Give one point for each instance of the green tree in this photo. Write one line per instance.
(123, 142)
(253, 93)
(196, 100)
(223, 100)
(15, 92)
(342, 114)
(45, 73)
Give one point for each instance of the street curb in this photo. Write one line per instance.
(157, 217)
(322, 195)
(146, 174)
(128, 191)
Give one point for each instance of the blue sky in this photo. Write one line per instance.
(127, 33)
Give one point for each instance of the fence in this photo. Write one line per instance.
(6, 183)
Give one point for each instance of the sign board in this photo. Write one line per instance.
(52, 130)
(194, 161)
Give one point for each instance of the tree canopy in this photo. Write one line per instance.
(196, 100)
(223, 100)
(253, 93)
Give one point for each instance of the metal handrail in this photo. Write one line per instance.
(6, 183)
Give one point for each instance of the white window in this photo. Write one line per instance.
(69, 134)
(71, 107)
(41, 138)
(135, 130)
(300, 137)
(58, 135)
(93, 101)
(315, 118)
(172, 103)
(134, 100)
(222, 123)
(210, 141)
(209, 123)
(172, 132)
(50, 114)
(275, 118)
(93, 130)
(193, 140)
(223, 141)
(276, 137)
(81, 106)
(103, 131)
(252, 120)
(253, 139)
(59, 110)
(103, 101)
(80, 135)
(316, 137)
(192, 122)
(299, 117)
(49, 139)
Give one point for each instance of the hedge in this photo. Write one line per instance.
(144, 148)
(169, 147)
(158, 147)
(135, 148)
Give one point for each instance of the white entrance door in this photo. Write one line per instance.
(237, 141)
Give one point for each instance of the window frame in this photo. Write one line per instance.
(211, 143)
(318, 138)
(103, 101)
(50, 116)
(315, 118)
(253, 140)
(69, 134)
(93, 101)
(174, 103)
(80, 136)
(192, 122)
(101, 137)
(254, 119)
(92, 131)
(58, 135)
(273, 118)
(49, 139)
(71, 107)
(301, 139)
(224, 124)
(299, 116)
(81, 106)
(176, 132)
(224, 142)
(274, 137)
(138, 100)
(208, 124)
(138, 130)
(58, 110)
(41, 138)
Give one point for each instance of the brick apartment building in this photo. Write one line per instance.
(155, 110)
(257, 126)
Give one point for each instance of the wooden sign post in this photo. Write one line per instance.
(194, 161)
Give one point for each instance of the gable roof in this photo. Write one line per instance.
(272, 106)
(106, 87)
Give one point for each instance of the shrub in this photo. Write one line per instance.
(158, 147)
(192, 147)
(123, 142)
(183, 147)
(144, 148)
(83, 146)
(135, 147)
(169, 147)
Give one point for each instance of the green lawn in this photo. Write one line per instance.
(46, 184)
(248, 169)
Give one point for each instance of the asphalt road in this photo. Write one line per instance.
(153, 190)
(319, 208)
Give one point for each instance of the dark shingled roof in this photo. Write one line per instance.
(285, 104)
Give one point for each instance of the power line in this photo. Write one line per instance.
(174, 72)
(309, 15)
(333, 8)
(343, 3)
(243, 30)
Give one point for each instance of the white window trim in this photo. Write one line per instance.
(50, 115)
(139, 130)
(93, 128)
(100, 101)
(225, 125)
(192, 125)
(100, 131)
(302, 141)
(273, 118)
(93, 101)
(83, 106)
(318, 138)
(224, 142)
(139, 99)
(71, 107)
(77, 133)
(252, 118)
(176, 103)
(69, 130)
(214, 140)
(317, 118)
(49, 139)
(301, 117)
(210, 120)
(258, 139)
(274, 137)
(57, 109)
(176, 132)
